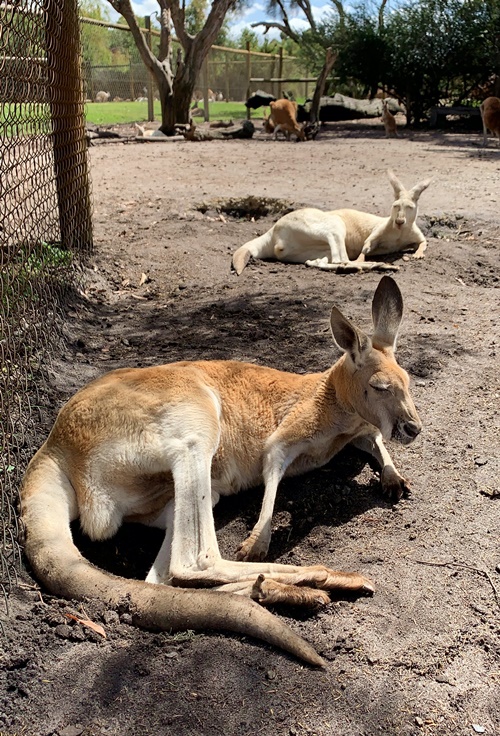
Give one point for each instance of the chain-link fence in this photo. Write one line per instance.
(113, 70)
(45, 222)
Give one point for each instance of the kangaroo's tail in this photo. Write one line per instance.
(48, 506)
(261, 247)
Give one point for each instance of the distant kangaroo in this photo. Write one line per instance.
(340, 240)
(160, 445)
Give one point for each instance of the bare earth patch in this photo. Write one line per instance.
(423, 655)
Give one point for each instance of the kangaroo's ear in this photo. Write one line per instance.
(397, 185)
(352, 341)
(387, 312)
(417, 190)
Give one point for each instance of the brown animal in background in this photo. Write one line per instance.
(490, 115)
(389, 121)
(283, 118)
(160, 445)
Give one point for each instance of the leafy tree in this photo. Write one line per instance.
(95, 40)
(438, 50)
(425, 51)
(176, 77)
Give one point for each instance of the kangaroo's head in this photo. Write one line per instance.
(374, 385)
(404, 209)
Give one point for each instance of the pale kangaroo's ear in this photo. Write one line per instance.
(352, 341)
(417, 190)
(387, 312)
(397, 185)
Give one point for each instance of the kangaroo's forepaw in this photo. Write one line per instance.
(417, 255)
(394, 486)
(253, 549)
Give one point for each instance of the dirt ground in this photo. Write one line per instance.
(422, 656)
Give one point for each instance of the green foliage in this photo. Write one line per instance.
(29, 270)
(425, 52)
(195, 16)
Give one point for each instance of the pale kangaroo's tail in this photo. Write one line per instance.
(261, 247)
(48, 505)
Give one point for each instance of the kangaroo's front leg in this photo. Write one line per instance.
(421, 243)
(195, 559)
(277, 459)
(394, 486)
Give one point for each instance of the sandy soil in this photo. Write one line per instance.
(423, 655)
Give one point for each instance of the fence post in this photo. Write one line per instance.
(68, 125)
(249, 75)
(151, 107)
(131, 81)
(206, 114)
(280, 68)
(227, 77)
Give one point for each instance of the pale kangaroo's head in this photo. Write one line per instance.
(375, 386)
(404, 209)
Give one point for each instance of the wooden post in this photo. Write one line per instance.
(206, 113)
(131, 81)
(280, 70)
(249, 74)
(227, 77)
(68, 125)
(151, 104)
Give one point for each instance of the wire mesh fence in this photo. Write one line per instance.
(45, 223)
(113, 70)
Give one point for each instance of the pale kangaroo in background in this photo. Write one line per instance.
(159, 445)
(340, 240)
(389, 121)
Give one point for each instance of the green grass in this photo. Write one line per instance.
(113, 113)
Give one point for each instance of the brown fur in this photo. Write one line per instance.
(283, 118)
(490, 114)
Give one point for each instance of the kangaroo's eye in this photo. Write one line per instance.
(380, 386)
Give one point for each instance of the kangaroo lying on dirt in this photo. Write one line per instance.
(340, 240)
(159, 445)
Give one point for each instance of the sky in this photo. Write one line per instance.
(250, 15)
(256, 12)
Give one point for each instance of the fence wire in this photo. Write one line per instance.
(45, 224)
(114, 72)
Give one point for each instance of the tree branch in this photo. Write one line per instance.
(124, 7)
(381, 15)
(286, 29)
(305, 6)
(215, 19)
(340, 11)
(178, 19)
(330, 59)
(165, 51)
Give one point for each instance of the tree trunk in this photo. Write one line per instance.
(330, 60)
(176, 96)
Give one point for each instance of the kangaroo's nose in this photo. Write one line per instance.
(412, 429)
